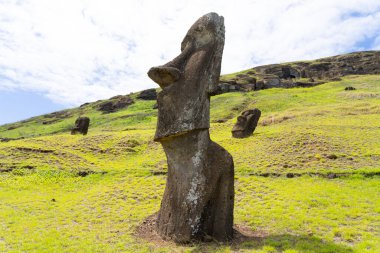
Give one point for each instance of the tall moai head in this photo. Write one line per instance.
(189, 79)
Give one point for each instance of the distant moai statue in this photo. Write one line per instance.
(246, 123)
(81, 126)
(199, 196)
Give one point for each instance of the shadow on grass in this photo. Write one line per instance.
(246, 240)
(291, 243)
(274, 243)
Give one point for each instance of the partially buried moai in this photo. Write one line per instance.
(81, 125)
(198, 200)
(246, 123)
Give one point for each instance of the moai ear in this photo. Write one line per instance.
(214, 77)
(216, 62)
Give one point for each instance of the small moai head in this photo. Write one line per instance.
(246, 123)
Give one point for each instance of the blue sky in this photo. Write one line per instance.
(59, 54)
(18, 105)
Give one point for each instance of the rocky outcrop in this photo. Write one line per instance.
(246, 123)
(149, 94)
(199, 195)
(115, 104)
(81, 126)
(303, 73)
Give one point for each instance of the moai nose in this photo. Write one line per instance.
(164, 76)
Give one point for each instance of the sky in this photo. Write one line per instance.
(57, 54)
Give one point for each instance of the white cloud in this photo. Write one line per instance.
(376, 43)
(77, 51)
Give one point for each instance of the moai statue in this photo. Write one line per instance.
(246, 123)
(199, 196)
(81, 125)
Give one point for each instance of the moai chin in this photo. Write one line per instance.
(199, 196)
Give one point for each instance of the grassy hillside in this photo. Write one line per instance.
(306, 181)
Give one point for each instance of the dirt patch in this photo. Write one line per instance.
(10, 139)
(275, 119)
(360, 95)
(34, 150)
(85, 173)
(48, 122)
(219, 121)
(6, 169)
(13, 127)
(137, 115)
(329, 175)
(158, 172)
(242, 233)
(10, 168)
(147, 231)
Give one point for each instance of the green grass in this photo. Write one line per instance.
(46, 206)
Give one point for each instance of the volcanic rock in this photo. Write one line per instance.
(149, 94)
(116, 104)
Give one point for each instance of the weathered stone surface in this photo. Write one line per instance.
(199, 195)
(115, 104)
(272, 82)
(106, 107)
(149, 94)
(259, 85)
(81, 125)
(246, 123)
(184, 101)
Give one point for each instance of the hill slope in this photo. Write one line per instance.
(302, 73)
(306, 181)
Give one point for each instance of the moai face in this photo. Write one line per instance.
(188, 80)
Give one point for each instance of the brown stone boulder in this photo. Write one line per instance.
(149, 94)
(272, 82)
(115, 104)
(246, 123)
(81, 125)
